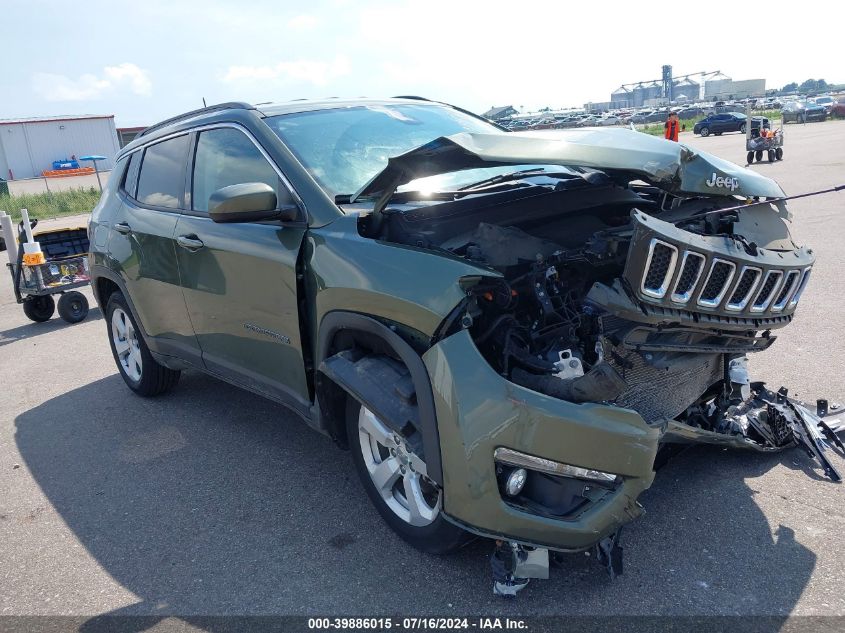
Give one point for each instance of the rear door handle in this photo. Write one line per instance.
(190, 242)
(123, 227)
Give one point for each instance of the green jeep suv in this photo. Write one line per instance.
(505, 329)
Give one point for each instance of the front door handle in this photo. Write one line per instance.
(190, 242)
(123, 227)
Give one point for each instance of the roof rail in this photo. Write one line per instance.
(415, 97)
(230, 105)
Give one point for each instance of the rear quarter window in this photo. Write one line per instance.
(130, 180)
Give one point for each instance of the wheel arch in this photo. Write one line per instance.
(342, 331)
(104, 282)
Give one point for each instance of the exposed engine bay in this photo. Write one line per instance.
(616, 291)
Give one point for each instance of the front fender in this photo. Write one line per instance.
(402, 284)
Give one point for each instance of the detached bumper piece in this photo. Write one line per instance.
(514, 565)
(775, 421)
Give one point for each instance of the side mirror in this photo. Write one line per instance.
(248, 202)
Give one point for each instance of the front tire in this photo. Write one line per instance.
(742, 128)
(139, 370)
(750, 158)
(705, 131)
(397, 483)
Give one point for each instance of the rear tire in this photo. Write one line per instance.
(39, 308)
(743, 128)
(771, 155)
(432, 533)
(750, 158)
(758, 155)
(139, 370)
(73, 307)
(779, 153)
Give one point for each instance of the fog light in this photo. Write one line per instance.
(516, 481)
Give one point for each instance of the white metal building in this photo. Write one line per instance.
(729, 89)
(29, 146)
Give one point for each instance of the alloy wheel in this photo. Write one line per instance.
(400, 476)
(126, 345)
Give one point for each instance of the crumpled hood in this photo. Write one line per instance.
(674, 167)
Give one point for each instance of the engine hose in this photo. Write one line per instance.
(525, 359)
(493, 327)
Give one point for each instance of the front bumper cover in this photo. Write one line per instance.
(479, 411)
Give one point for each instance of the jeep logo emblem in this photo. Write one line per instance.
(722, 182)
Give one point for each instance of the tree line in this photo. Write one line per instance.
(811, 85)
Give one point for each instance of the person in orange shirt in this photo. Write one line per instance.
(672, 127)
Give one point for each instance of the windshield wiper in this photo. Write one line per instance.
(514, 175)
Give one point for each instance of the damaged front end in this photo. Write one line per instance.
(628, 285)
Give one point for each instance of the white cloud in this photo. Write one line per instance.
(303, 22)
(89, 87)
(138, 80)
(318, 73)
(61, 88)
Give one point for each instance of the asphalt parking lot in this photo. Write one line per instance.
(213, 501)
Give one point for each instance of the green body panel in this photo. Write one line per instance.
(399, 283)
(241, 295)
(146, 260)
(479, 411)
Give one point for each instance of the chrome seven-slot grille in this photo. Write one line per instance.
(718, 284)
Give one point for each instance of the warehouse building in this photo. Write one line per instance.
(729, 89)
(126, 135)
(502, 112)
(29, 146)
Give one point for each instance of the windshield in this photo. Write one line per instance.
(343, 148)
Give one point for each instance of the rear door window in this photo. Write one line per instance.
(162, 179)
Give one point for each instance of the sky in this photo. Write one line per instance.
(149, 59)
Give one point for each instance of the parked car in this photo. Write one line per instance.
(641, 117)
(567, 122)
(486, 334)
(609, 120)
(690, 113)
(727, 122)
(802, 112)
(589, 121)
(825, 101)
(653, 116)
(838, 108)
